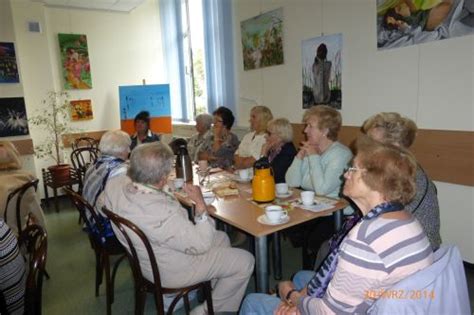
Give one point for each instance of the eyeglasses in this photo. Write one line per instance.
(353, 169)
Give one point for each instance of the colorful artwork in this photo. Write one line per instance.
(81, 110)
(408, 22)
(153, 98)
(8, 66)
(75, 61)
(13, 121)
(262, 40)
(322, 71)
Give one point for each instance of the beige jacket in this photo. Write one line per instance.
(176, 242)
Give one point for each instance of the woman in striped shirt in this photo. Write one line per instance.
(385, 246)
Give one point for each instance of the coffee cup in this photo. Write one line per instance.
(244, 174)
(203, 165)
(307, 198)
(178, 183)
(275, 214)
(281, 189)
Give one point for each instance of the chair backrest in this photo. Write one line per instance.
(126, 228)
(19, 193)
(86, 142)
(438, 289)
(33, 239)
(89, 215)
(82, 157)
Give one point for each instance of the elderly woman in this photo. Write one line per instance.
(203, 126)
(318, 166)
(12, 273)
(14, 177)
(394, 129)
(143, 134)
(386, 245)
(186, 253)
(220, 146)
(250, 148)
(114, 147)
(279, 147)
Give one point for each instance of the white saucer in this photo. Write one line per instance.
(209, 200)
(282, 196)
(263, 220)
(240, 180)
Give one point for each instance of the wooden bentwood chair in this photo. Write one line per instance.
(19, 192)
(33, 240)
(103, 246)
(142, 285)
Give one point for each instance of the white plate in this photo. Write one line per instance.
(263, 220)
(288, 194)
(240, 180)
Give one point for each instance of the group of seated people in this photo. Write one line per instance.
(394, 203)
(391, 234)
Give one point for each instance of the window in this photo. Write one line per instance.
(193, 53)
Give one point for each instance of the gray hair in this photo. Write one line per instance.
(205, 119)
(115, 143)
(150, 163)
(282, 128)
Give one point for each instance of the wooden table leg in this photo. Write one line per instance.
(55, 192)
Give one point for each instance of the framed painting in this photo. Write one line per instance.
(411, 22)
(81, 110)
(76, 69)
(13, 120)
(8, 65)
(262, 40)
(322, 71)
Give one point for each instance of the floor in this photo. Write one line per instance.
(71, 265)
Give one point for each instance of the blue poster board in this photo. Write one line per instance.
(152, 98)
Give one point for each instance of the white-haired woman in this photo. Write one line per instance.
(203, 127)
(186, 253)
(251, 146)
(279, 147)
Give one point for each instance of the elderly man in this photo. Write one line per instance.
(203, 125)
(186, 253)
(115, 148)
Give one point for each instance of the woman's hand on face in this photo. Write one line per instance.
(286, 309)
(284, 287)
(194, 193)
(310, 149)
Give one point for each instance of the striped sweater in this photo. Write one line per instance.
(12, 272)
(374, 256)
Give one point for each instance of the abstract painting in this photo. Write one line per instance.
(81, 110)
(76, 68)
(411, 22)
(154, 98)
(322, 71)
(262, 40)
(13, 121)
(8, 66)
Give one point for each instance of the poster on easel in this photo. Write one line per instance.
(153, 98)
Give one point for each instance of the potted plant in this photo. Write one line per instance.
(53, 119)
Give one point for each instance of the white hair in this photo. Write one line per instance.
(116, 143)
(205, 119)
(150, 163)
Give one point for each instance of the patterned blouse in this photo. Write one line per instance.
(225, 154)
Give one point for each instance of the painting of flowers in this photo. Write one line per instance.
(81, 110)
(76, 68)
(13, 121)
(322, 71)
(8, 66)
(262, 40)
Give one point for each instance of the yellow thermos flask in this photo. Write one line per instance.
(263, 183)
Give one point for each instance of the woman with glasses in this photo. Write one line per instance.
(219, 147)
(392, 128)
(385, 246)
(279, 147)
(318, 166)
(250, 148)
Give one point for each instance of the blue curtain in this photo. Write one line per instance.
(218, 41)
(172, 38)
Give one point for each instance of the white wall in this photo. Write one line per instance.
(124, 48)
(431, 83)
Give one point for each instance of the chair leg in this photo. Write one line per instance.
(187, 306)
(140, 298)
(208, 294)
(98, 272)
(114, 272)
(108, 294)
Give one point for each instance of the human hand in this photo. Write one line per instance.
(309, 148)
(194, 193)
(283, 288)
(286, 309)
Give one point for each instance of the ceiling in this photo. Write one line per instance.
(108, 5)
